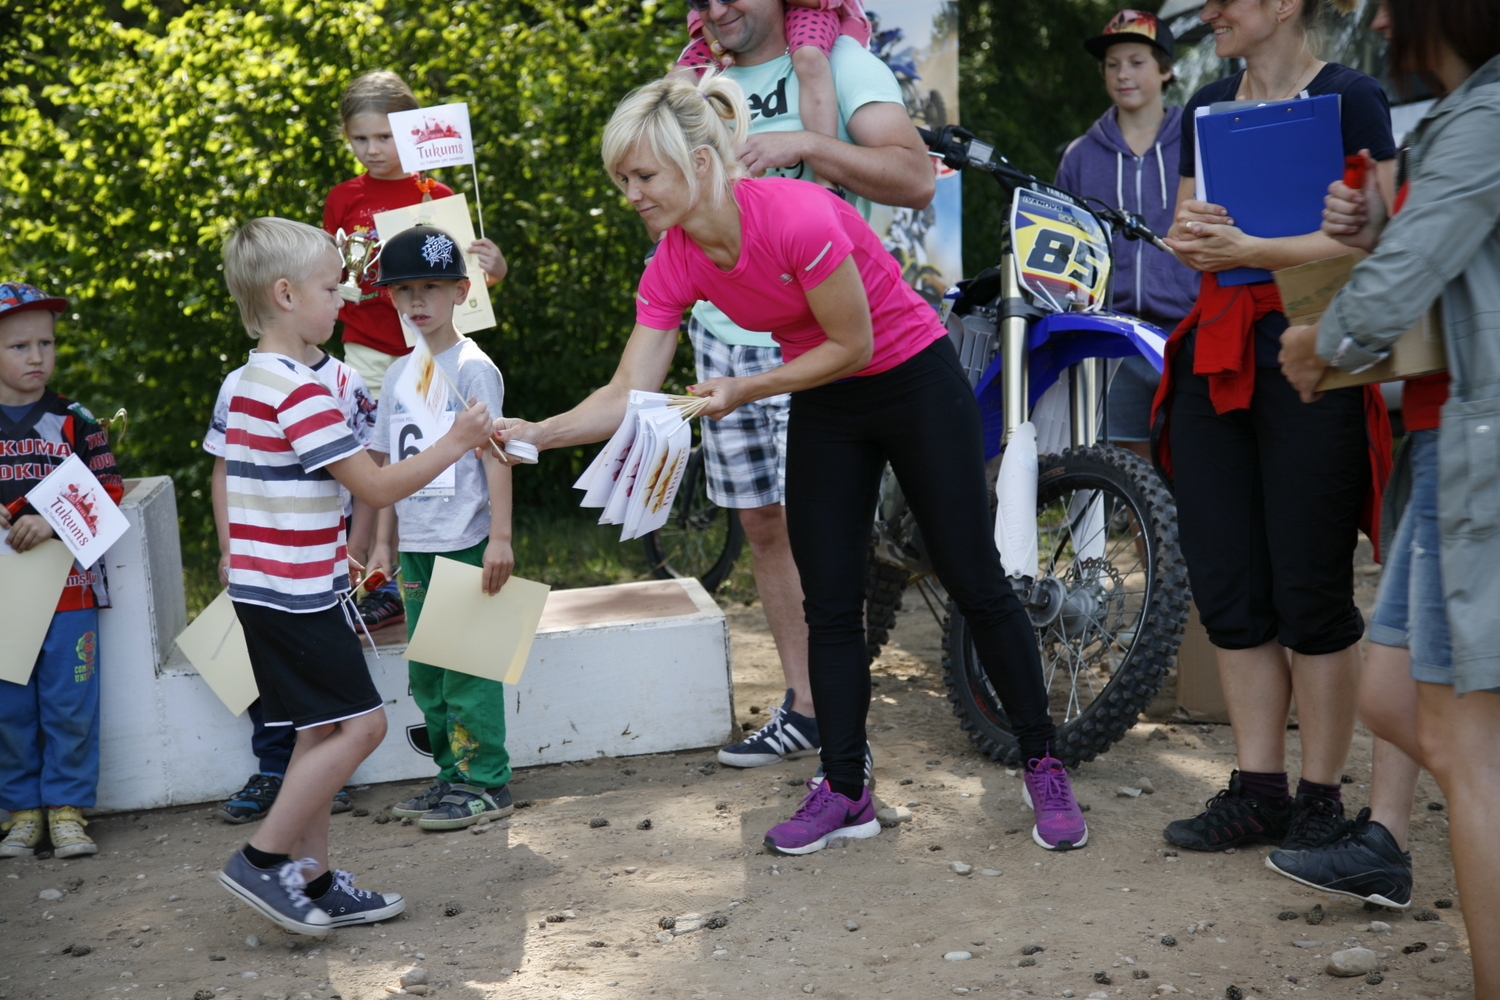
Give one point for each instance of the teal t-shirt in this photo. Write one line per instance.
(773, 91)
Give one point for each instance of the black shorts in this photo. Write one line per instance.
(309, 667)
(1268, 508)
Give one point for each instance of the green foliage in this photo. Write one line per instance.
(137, 136)
(1028, 86)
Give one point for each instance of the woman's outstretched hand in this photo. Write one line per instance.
(512, 429)
(728, 395)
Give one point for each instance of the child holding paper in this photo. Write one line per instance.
(463, 514)
(273, 745)
(49, 727)
(372, 336)
(289, 450)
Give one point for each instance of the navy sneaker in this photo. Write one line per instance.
(817, 778)
(346, 905)
(342, 803)
(786, 736)
(1316, 822)
(253, 801)
(422, 801)
(381, 608)
(279, 894)
(1364, 863)
(465, 805)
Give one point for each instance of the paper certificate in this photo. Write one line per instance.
(462, 628)
(34, 581)
(438, 136)
(451, 215)
(74, 503)
(215, 645)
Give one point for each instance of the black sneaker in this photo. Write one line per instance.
(380, 609)
(424, 800)
(1231, 819)
(1316, 822)
(1364, 863)
(253, 801)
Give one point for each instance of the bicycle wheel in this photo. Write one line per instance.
(1108, 609)
(700, 539)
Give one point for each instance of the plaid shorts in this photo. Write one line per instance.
(746, 451)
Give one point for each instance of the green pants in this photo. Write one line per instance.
(465, 714)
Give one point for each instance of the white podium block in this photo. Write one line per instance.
(632, 669)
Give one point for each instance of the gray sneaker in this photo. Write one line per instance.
(279, 895)
(423, 801)
(466, 805)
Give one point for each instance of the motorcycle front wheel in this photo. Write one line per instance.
(1108, 609)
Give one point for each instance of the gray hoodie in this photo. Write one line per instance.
(1148, 283)
(1445, 245)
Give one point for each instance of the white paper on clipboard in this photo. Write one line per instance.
(451, 215)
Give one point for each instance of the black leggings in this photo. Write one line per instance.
(921, 418)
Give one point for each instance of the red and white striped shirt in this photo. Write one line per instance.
(287, 548)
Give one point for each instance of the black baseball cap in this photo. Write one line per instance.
(419, 253)
(1133, 26)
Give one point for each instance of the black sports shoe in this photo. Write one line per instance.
(380, 609)
(253, 801)
(1230, 820)
(1364, 863)
(1316, 822)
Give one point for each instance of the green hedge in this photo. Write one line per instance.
(134, 136)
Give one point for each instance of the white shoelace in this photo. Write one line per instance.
(290, 876)
(345, 881)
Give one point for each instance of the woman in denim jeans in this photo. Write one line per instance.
(1438, 598)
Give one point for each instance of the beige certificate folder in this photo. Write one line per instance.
(1308, 289)
(215, 645)
(462, 628)
(34, 581)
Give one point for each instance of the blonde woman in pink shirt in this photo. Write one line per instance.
(873, 378)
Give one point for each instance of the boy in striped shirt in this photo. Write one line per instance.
(288, 449)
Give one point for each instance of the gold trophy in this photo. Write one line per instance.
(360, 251)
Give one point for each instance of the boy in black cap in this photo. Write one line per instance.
(49, 726)
(1128, 159)
(463, 515)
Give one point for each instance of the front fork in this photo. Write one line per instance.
(1016, 487)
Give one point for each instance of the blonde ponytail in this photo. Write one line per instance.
(1321, 18)
(677, 117)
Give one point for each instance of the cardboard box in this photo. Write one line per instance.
(1198, 688)
(1306, 291)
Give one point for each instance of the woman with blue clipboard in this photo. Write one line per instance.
(1271, 570)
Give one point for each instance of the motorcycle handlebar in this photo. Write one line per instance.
(955, 145)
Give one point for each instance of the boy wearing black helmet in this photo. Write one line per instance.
(463, 514)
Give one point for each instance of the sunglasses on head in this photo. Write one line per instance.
(702, 5)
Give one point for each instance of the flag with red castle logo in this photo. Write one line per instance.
(438, 136)
(80, 512)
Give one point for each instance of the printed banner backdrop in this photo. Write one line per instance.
(918, 40)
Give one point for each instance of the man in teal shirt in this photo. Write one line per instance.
(878, 157)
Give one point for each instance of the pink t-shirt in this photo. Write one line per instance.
(793, 235)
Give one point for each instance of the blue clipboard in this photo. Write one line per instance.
(1270, 167)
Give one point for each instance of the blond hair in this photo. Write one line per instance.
(1320, 18)
(261, 253)
(380, 92)
(676, 117)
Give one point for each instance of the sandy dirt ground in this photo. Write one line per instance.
(551, 905)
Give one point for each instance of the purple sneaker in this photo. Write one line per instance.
(1059, 821)
(825, 815)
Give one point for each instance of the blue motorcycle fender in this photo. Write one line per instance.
(1056, 342)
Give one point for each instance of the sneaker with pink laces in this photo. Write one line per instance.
(1059, 821)
(824, 816)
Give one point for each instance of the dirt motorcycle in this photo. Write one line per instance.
(1086, 531)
